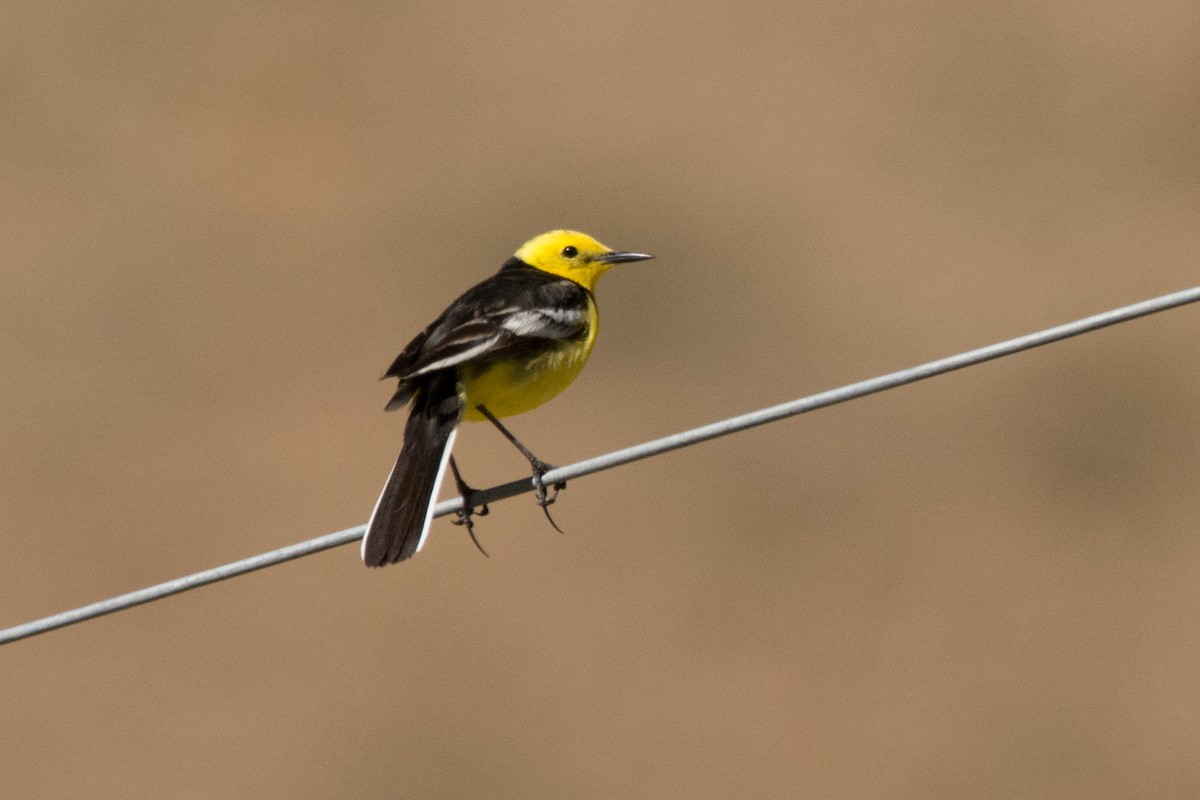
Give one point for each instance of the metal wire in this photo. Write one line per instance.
(620, 457)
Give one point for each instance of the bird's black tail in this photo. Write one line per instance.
(401, 518)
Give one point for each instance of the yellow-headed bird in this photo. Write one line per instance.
(505, 347)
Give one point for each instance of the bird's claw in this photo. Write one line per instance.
(464, 514)
(544, 498)
(463, 517)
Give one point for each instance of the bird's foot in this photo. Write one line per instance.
(464, 515)
(544, 498)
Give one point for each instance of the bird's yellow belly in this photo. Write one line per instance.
(506, 388)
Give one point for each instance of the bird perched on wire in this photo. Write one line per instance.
(504, 347)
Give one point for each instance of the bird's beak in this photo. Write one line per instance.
(617, 257)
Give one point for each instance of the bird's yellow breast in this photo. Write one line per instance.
(511, 387)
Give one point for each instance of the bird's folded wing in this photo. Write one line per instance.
(545, 313)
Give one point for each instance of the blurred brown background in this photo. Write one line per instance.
(219, 224)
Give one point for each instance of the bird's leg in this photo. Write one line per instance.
(464, 515)
(539, 467)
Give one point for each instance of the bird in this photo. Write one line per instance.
(504, 347)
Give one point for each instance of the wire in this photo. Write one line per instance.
(620, 457)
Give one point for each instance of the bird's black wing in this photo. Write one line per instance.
(514, 312)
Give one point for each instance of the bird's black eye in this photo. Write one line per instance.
(570, 251)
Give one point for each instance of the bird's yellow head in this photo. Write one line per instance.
(574, 256)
